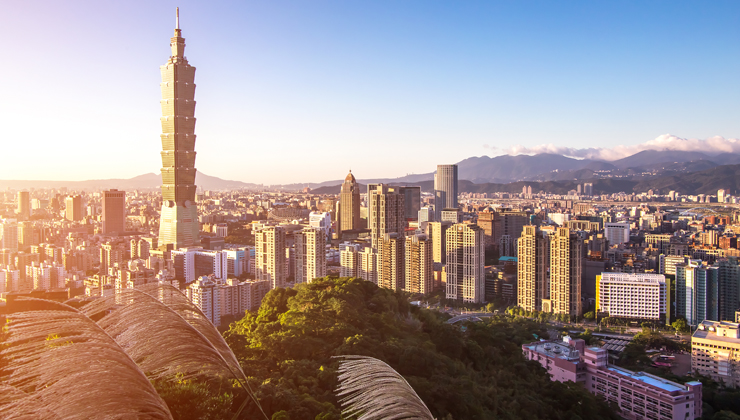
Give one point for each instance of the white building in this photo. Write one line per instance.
(9, 234)
(321, 220)
(237, 261)
(368, 269)
(617, 233)
(639, 295)
(204, 294)
(192, 263)
(270, 261)
(349, 260)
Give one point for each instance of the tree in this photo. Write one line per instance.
(490, 307)
(680, 325)
(589, 315)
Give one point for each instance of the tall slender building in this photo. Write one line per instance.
(533, 266)
(446, 180)
(114, 211)
(24, 205)
(178, 224)
(349, 204)
(310, 255)
(466, 275)
(566, 258)
(270, 256)
(387, 212)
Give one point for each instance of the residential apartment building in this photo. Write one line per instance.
(566, 262)
(464, 271)
(310, 255)
(533, 283)
(270, 261)
(419, 265)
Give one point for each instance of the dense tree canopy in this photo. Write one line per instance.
(473, 373)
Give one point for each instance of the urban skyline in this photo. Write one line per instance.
(507, 78)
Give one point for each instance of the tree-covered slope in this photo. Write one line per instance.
(480, 373)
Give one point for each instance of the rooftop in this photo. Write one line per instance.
(649, 379)
(556, 349)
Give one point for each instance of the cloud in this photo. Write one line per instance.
(711, 146)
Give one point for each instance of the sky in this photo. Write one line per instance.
(303, 91)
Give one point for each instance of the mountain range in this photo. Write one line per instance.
(547, 172)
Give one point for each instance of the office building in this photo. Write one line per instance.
(728, 288)
(73, 208)
(637, 296)
(114, 212)
(617, 233)
(178, 226)
(451, 216)
(321, 221)
(349, 204)
(191, 264)
(440, 199)
(419, 265)
(715, 351)
(310, 255)
(638, 395)
(426, 214)
(566, 259)
(387, 212)
(533, 267)
(23, 206)
(270, 263)
(412, 201)
(445, 179)
(27, 235)
(391, 266)
(236, 261)
(465, 271)
(588, 189)
(696, 292)
(507, 227)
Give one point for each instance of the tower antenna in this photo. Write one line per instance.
(177, 18)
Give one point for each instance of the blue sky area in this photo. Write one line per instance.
(299, 91)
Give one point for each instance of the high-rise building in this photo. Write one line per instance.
(437, 232)
(721, 196)
(110, 254)
(445, 179)
(419, 265)
(26, 235)
(617, 233)
(24, 205)
(412, 201)
(73, 208)
(728, 285)
(114, 211)
(392, 261)
(387, 212)
(588, 189)
(9, 234)
(533, 267)
(465, 263)
(310, 255)
(507, 227)
(192, 263)
(566, 259)
(440, 199)
(179, 217)
(349, 204)
(696, 292)
(269, 243)
(368, 270)
(349, 260)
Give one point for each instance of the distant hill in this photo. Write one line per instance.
(141, 182)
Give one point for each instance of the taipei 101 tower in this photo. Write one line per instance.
(178, 223)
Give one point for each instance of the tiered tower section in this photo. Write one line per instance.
(179, 218)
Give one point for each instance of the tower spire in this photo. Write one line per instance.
(177, 18)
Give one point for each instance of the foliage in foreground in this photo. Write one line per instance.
(287, 349)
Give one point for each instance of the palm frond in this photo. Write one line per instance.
(63, 365)
(373, 390)
(166, 335)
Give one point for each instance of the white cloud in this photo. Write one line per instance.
(711, 146)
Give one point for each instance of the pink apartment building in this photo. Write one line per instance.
(639, 395)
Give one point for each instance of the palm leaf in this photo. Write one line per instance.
(375, 391)
(64, 366)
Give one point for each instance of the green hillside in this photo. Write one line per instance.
(473, 375)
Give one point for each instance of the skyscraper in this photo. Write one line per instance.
(419, 265)
(24, 205)
(73, 208)
(533, 263)
(114, 211)
(387, 212)
(465, 263)
(446, 180)
(270, 256)
(349, 204)
(179, 217)
(566, 259)
(310, 255)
